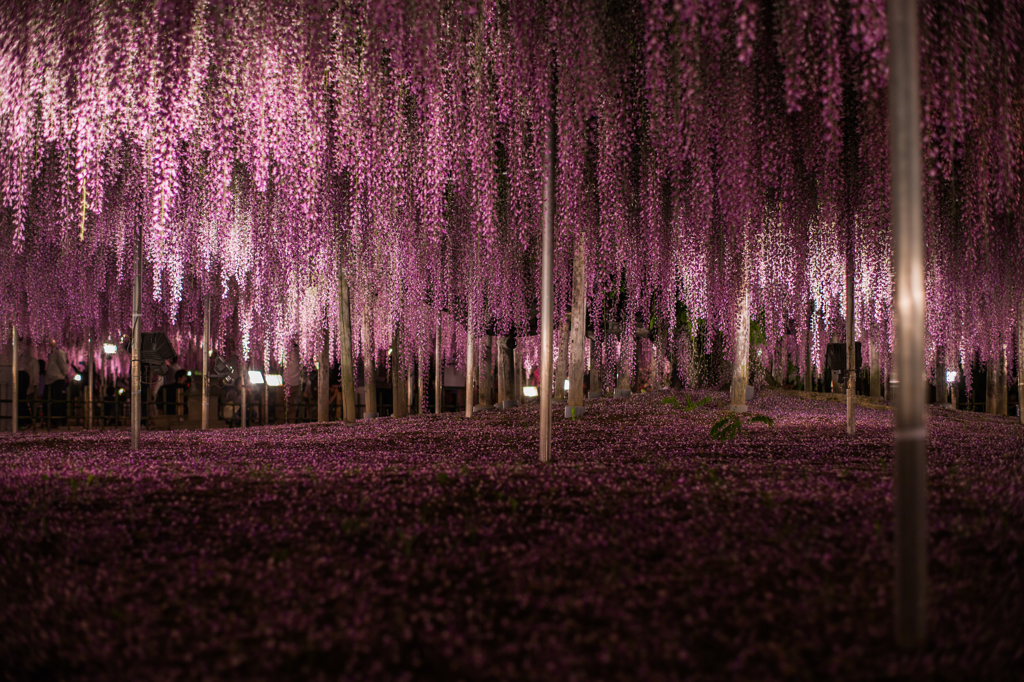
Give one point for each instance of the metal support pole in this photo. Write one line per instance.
(137, 348)
(851, 346)
(470, 359)
(14, 378)
(547, 280)
(438, 374)
(911, 436)
(205, 423)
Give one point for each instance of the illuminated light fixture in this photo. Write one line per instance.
(950, 376)
(275, 380)
(120, 391)
(567, 384)
(189, 373)
(78, 377)
(110, 348)
(255, 376)
(530, 391)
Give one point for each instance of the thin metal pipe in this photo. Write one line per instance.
(910, 485)
(547, 281)
(205, 423)
(137, 348)
(14, 381)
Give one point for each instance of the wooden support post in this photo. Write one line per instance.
(369, 367)
(911, 436)
(348, 383)
(577, 359)
(323, 380)
(506, 374)
(204, 424)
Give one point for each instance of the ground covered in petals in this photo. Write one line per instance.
(439, 548)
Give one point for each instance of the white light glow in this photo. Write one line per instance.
(120, 391)
(78, 377)
(567, 384)
(275, 380)
(189, 373)
(530, 391)
(255, 376)
(950, 376)
(109, 348)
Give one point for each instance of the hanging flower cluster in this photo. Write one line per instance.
(260, 150)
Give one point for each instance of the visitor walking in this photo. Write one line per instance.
(28, 381)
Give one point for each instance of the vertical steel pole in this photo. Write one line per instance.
(851, 345)
(14, 378)
(205, 423)
(137, 348)
(547, 279)
(911, 437)
(470, 358)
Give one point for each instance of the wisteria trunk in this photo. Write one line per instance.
(369, 367)
(412, 396)
(1002, 406)
(486, 372)
(204, 423)
(577, 338)
(438, 374)
(348, 384)
(876, 366)
(14, 379)
(399, 381)
(808, 368)
(851, 349)
(470, 362)
(1020, 362)
(623, 382)
(738, 388)
(323, 378)
(561, 363)
(940, 375)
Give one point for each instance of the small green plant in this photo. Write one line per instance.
(730, 426)
(690, 405)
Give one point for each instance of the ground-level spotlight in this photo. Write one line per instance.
(275, 380)
(110, 348)
(567, 384)
(530, 391)
(255, 376)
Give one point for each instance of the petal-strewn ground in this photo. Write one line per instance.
(436, 547)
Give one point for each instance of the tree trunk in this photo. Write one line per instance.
(578, 337)
(851, 348)
(1002, 406)
(940, 375)
(348, 384)
(738, 388)
(369, 367)
(506, 371)
(876, 370)
(399, 380)
(323, 389)
(486, 372)
(596, 350)
(517, 368)
(990, 385)
(438, 374)
(561, 364)
(470, 362)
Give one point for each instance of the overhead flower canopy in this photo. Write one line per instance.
(703, 146)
